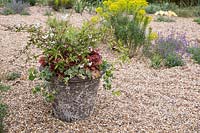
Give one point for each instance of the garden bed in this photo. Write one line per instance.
(165, 100)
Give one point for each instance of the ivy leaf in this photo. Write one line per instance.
(36, 89)
(32, 74)
(116, 93)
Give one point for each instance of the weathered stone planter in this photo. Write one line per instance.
(74, 101)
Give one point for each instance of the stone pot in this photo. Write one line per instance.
(76, 100)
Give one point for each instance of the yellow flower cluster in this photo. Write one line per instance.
(131, 7)
(125, 5)
(153, 36)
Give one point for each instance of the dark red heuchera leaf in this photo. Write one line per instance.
(43, 61)
(96, 60)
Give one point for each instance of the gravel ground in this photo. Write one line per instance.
(165, 100)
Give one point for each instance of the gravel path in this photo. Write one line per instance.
(165, 100)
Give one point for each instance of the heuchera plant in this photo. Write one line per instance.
(68, 52)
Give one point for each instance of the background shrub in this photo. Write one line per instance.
(197, 20)
(128, 22)
(13, 76)
(171, 49)
(79, 6)
(164, 19)
(195, 52)
(57, 4)
(3, 109)
(14, 8)
(156, 61)
(173, 60)
(152, 8)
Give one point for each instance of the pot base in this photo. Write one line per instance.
(74, 101)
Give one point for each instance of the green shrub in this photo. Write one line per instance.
(4, 87)
(164, 19)
(195, 52)
(43, 2)
(4, 2)
(156, 61)
(166, 6)
(24, 12)
(3, 112)
(152, 8)
(79, 6)
(57, 4)
(184, 12)
(48, 13)
(173, 60)
(169, 50)
(14, 8)
(32, 2)
(13, 76)
(128, 22)
(7, 11)
(197, 20)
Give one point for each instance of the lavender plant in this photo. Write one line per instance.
(171, 49)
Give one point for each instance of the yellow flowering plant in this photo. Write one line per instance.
(128, 21)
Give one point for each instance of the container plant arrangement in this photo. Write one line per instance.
(70, 66)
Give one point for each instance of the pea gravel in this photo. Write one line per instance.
(164, 100)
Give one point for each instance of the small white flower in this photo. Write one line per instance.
(64, 17)
(53, 42)
(51, 34)
(90, 36)
(90, 48)
(81, 66)
(90, 64)
(37, 25)
(45, 37)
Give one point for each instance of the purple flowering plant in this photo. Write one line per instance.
(174, 43)
(169, 50)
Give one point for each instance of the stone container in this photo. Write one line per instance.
(76, 100)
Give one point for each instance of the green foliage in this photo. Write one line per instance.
(173, 60)
(168, 6)
(116, 93)
(32, 74)
(79, 6)
(48, 13)
(168, 51)
(3, 107)
(182, 3)
(4, 87)
(14, 8)
(67, 52)
(156, 61)
(152, 8)
(3, 112)
(4, 2)
(32, 2)
(155, 7)
(197, 20)
(184, 12)
(188, 12)
(195, 52)
(58, 4)
(128, 21)
(25, 13)
(164, 19)
(43, 2)
(7, 11)
(13, 76)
